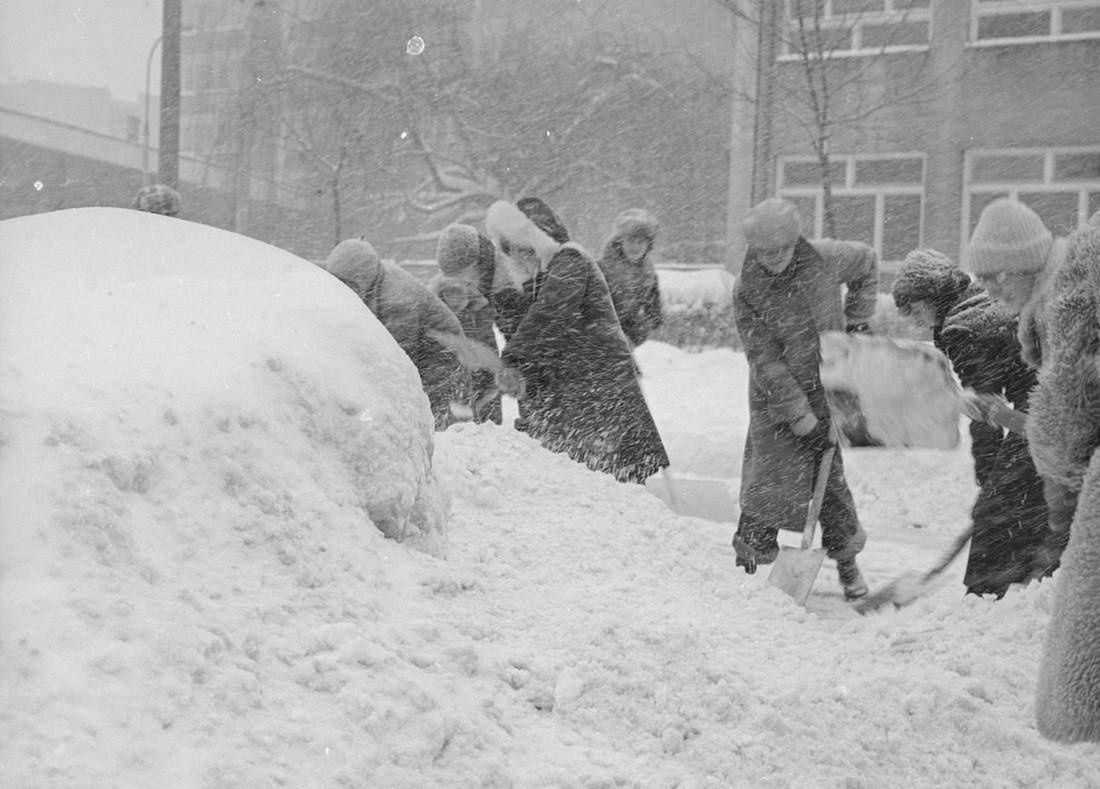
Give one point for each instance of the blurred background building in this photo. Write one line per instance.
(304, 121)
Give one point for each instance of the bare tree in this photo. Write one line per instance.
(810, 99)
(400, 139)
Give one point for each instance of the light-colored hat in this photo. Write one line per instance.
(1009, 237)
(458, 248)
(772, 224)
(355, 262)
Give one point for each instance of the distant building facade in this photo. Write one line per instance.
(954, 102)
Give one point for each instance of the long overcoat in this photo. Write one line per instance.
(780, 317)
(583, 396)
(979, 336)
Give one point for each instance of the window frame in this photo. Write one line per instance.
(849, 188)
(1013, 187)
(829, 20)
(980, 9)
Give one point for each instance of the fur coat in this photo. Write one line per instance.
(1064, 432)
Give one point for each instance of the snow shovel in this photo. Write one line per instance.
(907, 587)
(796, 569)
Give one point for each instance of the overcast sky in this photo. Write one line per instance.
(84, 42)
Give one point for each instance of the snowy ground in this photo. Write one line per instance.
(576, 633)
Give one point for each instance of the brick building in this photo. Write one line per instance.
(963, 101)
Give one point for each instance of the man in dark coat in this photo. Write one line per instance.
(978, 335)
(410, 313)
(789, 292)
(583, 396)
(630, 274)
(464, 283)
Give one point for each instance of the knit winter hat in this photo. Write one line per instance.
(158, 199)
(355, 262)
(1009, 237)
(772, 224)
(544, 217)
(635, 222)
(931, 276)
(458, 248)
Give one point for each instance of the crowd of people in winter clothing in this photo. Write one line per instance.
(568, 323)
(1024, 333)
(1021, 330)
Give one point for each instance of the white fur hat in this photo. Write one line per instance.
(505, 221)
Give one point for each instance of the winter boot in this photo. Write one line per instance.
(749, 557)
(851, 579)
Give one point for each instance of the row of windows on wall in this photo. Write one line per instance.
(853, 26)
(878, 199)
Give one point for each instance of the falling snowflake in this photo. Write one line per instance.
(415, 45)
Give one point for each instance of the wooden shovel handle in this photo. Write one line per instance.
(821, 481)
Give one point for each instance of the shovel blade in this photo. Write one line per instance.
(795, 571)
(900, 592)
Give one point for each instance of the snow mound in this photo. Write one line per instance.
(187, 417)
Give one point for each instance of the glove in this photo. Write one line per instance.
(993, 409)
(818, 439)
(510, 382)
(858, 328)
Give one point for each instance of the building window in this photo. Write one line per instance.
(877, 198)
(1062, 185)
(1021, 21)
(854, 27)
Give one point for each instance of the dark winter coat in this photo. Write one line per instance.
(634, 290)
(979, 336)
(409, 312)
(583, 396)
(780, 317)
(475, 312)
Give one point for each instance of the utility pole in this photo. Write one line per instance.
(763, 175)
(743, 112)
(169, 146)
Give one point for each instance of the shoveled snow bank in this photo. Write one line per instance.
(196, 432)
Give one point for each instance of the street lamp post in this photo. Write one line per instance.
(148, 77)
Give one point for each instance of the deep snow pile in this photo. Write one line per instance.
(204, 629)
